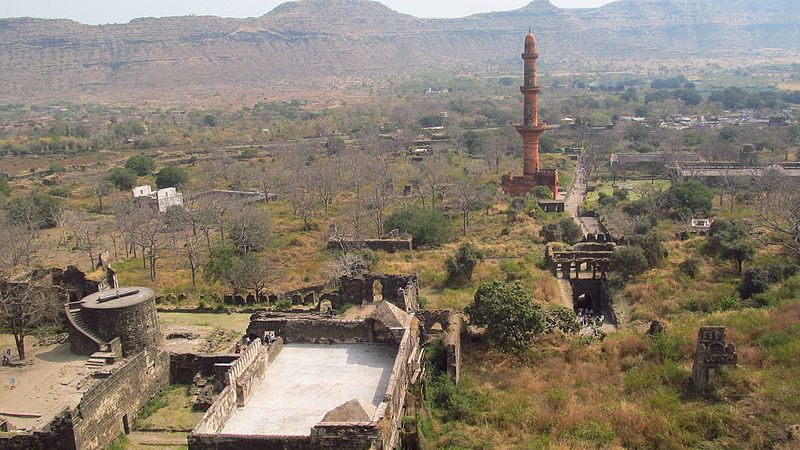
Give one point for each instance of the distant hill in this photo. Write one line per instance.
(312, 39)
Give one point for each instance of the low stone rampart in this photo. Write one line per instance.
(313, 331)
(100, 416)
(184, 366)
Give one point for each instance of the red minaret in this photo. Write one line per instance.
(531, 131)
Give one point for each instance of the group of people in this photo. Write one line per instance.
(587, 318)
(268, 339)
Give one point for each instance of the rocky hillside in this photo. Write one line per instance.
(310, 39)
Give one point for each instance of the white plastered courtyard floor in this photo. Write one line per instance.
(306, 381)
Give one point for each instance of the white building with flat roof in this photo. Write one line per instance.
(159, 200)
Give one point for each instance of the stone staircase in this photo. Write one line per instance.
(100, 358)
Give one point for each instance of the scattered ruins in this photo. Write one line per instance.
(712, 354)
(302, 381)
(531, 131)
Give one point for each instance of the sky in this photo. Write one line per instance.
(122, 11)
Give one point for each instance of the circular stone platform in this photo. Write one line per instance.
(118, 298)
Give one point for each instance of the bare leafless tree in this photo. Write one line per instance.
(778, 208)
(24, 304)
(250, 229)
(467, 195)
(432, 177)
(381, 188)
(84, 234)
(18, 245)
(102, 187)
(324, 180)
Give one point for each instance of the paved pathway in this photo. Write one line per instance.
(576, 196)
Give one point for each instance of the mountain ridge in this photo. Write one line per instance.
(314, 39)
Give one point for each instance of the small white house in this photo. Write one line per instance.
(160, 200)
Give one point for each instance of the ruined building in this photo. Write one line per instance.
(531, 131)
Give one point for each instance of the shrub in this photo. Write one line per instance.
(550, 233)
(621, 194)
(5, 188)
(141, 165)
(692, 196)
(427, 227)
(59, 191)
(652, 246)
(56, 167)
(690, 267)
(629, 260)
(542, 192)
(461, 265)
(249, 153)
(757, 280)
(506, 311)
(562, 318)
(571, 232)
(171, 177)
(122, 179)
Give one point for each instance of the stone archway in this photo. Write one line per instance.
(377, 291)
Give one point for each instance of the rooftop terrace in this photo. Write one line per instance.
(307, 380)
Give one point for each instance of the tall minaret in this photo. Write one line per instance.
(531, 129)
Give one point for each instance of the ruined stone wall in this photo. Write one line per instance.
(184, 366)
(58, 435)
(357, 290)
(314, 331)
(390, 412)
(217, 415)
(348, 437)
(451, 323)
(98, 418)
(239, 388)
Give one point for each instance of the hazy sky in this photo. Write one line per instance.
(120, 11)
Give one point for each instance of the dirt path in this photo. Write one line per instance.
(565, 291)
(576, 196)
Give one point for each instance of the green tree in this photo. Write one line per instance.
(426, 226)
(571, 232)
(461, 265)
(140, 164)
(550, 233)
(122, 179)
(562, 318)
(35, 211)
(730, 239)
(210, 120)
(629, 260)
(738, 251)
(652, 246)
(508, 313)
(542, 192)
(692, 196)
(754, 281)
(171, 176)
(221, 264)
